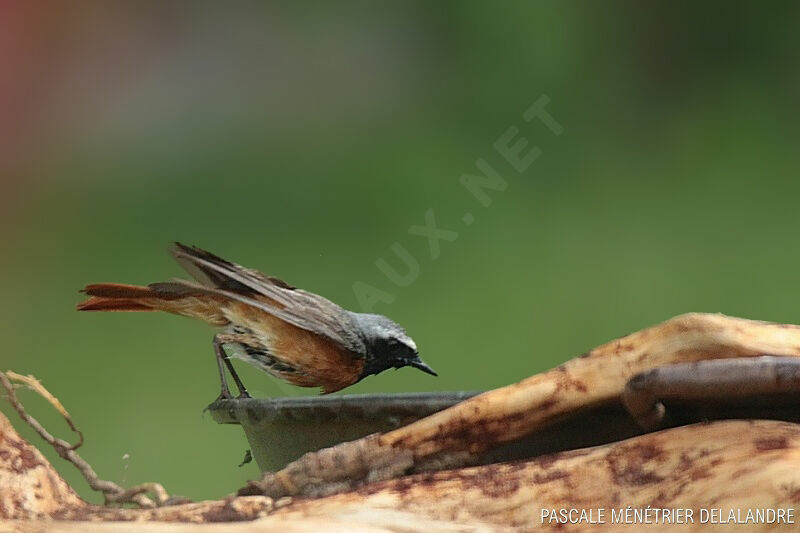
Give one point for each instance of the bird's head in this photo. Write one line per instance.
(388, 345)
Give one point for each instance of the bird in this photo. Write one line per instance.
(294, 335)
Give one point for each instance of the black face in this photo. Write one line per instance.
(392, 353)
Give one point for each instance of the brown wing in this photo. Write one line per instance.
(186, 256)
(300, 308)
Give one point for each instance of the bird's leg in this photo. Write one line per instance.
(717, 379)
(222, 357)
(225, 392)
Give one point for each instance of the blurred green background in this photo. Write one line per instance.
(303, 139)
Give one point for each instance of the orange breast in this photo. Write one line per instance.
(319, 362)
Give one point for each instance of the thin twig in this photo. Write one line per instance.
(112, 492)
(35, 385)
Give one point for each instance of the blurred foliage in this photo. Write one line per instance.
(304, 140)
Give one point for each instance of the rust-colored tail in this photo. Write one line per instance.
(172, 297)
(117, 297)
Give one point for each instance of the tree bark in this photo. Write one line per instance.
(726, 465)
(460, 434)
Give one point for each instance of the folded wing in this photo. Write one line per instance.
(295, 306)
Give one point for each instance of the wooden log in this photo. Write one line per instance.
(730, 465)
(459, 434)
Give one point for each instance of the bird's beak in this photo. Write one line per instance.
(418, 363)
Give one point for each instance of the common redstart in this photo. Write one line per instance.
(295, 335)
